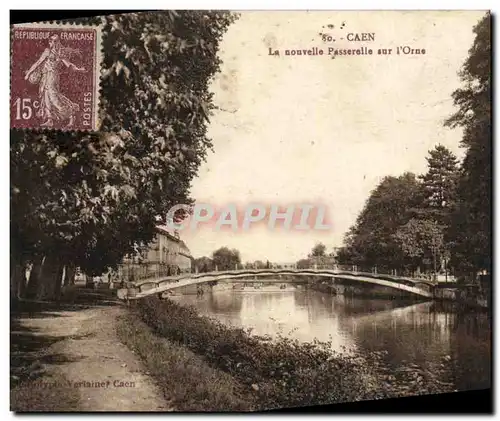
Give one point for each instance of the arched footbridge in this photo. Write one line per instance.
(158, 285)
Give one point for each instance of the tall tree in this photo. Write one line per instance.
(318, 250)
(371, 240)
(470, 230)
(204, 264)
(439, 184)
(422, 241)
(86, 199)
(226, 259)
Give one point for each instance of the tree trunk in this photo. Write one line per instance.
(17, 278)
(35, 274)
(73, 277)
(69, 275)
(58, 281)
(23, 283)
(51, 275)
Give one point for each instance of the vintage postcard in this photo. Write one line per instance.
(244, 211)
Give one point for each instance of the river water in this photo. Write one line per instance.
(423, 334)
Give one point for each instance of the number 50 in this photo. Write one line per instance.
(24, 108)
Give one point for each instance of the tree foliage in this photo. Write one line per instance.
(319, 250)
(421, 240)
(304, 264)
(470, 228)
(226, 259)
(446, 212)
(259, 264)
(439, 184)
(204, 264)
(403, 222)
(371, 240)
(88, 198)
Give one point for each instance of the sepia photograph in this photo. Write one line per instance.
(248, 211)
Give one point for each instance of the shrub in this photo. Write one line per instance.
(282, 373)
(285, 372)
(187, 381)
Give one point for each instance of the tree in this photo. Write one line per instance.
(304, 264)
(422, 241)
(226, 259)
(204, 264)
(346, 254)
(259, 264)
(439, 184)
(318, 250)
(85, 199)
(470, 229)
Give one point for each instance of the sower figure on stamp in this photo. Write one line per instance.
(45, 71)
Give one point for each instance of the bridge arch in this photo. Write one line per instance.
(154, 286)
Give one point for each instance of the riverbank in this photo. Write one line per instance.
(67, 358)
(470, 298)
(258, 373)
(157, 355)
(192, 383)
(462, 297)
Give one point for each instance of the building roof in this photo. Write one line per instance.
(169, 232)
(173, 235)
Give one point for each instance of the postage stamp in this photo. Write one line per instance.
(55, 75)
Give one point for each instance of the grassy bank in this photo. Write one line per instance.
(187, 381)
(202, 364)
(254, 373)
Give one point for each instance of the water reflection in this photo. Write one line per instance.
(424, 334)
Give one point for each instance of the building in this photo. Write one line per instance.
(167, 248)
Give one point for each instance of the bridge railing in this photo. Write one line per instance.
(158, 281)
(373, 272)
(137, 272)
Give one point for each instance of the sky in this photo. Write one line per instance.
(322, 130)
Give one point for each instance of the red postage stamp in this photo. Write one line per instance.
(55, 75)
